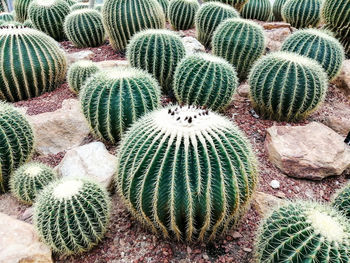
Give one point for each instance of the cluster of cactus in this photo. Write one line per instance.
(32, 65)
(277, 9)
(239, 41)
(6, 17)
(79, 72)
(157, 51)
(3, 6)
(285, 86)
(208, 17)
(304, 232)
(72, 215)
(28, 180)
(112, 100)
(302, 13)
(181, 13)
(237, 4)
(16, 140)
(21, 9)
(84, 28)
(205, 80)
(186, 172)
(342, 201)
(137, 15)
(318, 45)
(257, 9)
(79, 6)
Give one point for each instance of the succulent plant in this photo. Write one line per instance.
(304, 232)
(277, 9)
(318, 45)
(181, 13)
(34, 63)
(70, 2)
(157, 51)
(3, 6)
(29, 179)
(257, 9)
(302, 13)
(186, 172)
(16, 140)
(205, 80)
(7, 17)
(286, 86)
(79, 6)
(237, 4)
(71, 215)
(112, 100)
(341, 200)
(208, 17)
(4, 23)
(121, 26)
(79, 72)
(21, 9)
(239, 41)
(164, 4)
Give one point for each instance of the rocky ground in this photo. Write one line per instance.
(312, 149)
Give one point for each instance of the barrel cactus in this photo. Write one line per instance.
(208, 17)
(181, 13)
(277, 9)
(205, 80)
(237, 4)
(79, 72)
(157, 51)
(342, 200)
(79, 6)
(16, 140)
(285, 86)
(4, 23)
(71, 215)
(21, 9)
(257, 9)
(239, 41)
(34, 63)
(3, 6)
(7, 17)
(165, 5)
(304, 232)
(70, 2)
(121, 26)
(318, 45)
(28, 180)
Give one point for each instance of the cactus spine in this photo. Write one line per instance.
(342, 200)
(3, 6)
(239, 41)
(277, 9)
(257, 9)
(181, 13)
(164, 4)
(237, 4)
(6, 17)
(21, 9)
(286, 86)
(79, 72)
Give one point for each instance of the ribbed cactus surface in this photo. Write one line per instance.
(257, 9)
(165, 5)
(342, 201)
(79, 72)
(79, 6)
(3, 6)
(237, 4)
(28, 23)
(181, 13)
(277, 9)
(7, 17)
(21, 9)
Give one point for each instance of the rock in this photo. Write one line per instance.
(276, 33)
(343, 79)
(28, 215)
(192, 45)
(275, 184)
(81, 55)
(113, 64)
(236, 235)
(91, 160)
(264, 203)
(313, 151)
(337, 117)
(20, 243)
(60, 130)
(243, 90)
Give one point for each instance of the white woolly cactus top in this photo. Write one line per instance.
(84, 63)
(33, 171)
(122, 73)
(211, 58)
(243, 21)
(83, 11)
(295, 58)
(67, 189)
(153, 31)
(321, 33)
(46, 3)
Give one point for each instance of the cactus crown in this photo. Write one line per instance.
(67, 190)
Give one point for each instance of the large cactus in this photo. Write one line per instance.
(16, 140)
(137, 15)
(237, 4)
(277, 9)
(21, 9)
(181, 13)
(32, 64)
(342, 200)
(286, 86)
(79, 72)
(257, 9)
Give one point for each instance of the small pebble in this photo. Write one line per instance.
(247, 249)
(275, 184)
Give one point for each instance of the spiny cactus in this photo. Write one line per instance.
(79, 6)
(4, 23)
(112, 100)
(342, 200)
(28, 23)
(121, 26)
(48, 16)
(205, 80)
(237, 4)
(318, 45)
(158, 52)
(239, 41)
(181, 13)
(302, 13)
(32, 65)
(70, 2)
(277, 9)
(84, 28)
(79, 72)
(72, 215)
(3, 6)
(7, 17)
(164, 4)
(98, 7)
(304, 232)
(185, 172)
(21, 9)
(208, 17)
(16, 140)
(28, 180)
(286, 86)
(257, 9)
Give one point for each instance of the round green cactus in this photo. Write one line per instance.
(257, 9)
(21, 9)
(3, 6)
(239, 41)
(7, 17)
(71, 215)
(28, 23)
(205, 80)
(112, 100)
(32, 65)
(237, 4)
(84, 28)
(79, 72)
(181, 13)
(28, 180)
(342, 200)
(208, 17)
(318, 45)
(302, 13)
(121, 26)
(304, 232)
(16, 140)
(164, 4)
(277, 9)
(285, 86)
(79, 6)
(157, 51)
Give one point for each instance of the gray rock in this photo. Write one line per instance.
(192, 45)
(81, 55)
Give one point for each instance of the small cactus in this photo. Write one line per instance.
(7, 17)
(342, 200)
(71, 215)
(237, 4)
(79, 6)
(277, 9)
(28, 180)
(257, 9)
(285, 86)
(79, 72)
(181, 13)
(21, 9)
(205, 80)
